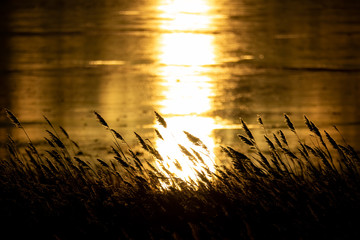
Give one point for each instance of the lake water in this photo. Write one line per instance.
(201, 64)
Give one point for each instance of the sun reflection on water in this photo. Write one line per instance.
(185, 52)
(185, 15)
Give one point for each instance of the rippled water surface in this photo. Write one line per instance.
(202, 64)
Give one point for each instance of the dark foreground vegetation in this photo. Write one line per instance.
(311, 191)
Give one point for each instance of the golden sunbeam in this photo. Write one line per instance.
(185, 53)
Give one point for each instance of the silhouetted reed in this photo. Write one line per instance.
(283, 191)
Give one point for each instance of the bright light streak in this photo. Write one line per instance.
(174, 135)
(107, 62)
(185, 52)
(187, 49)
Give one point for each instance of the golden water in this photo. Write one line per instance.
(202, 64)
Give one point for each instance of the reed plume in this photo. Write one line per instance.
(289, 123)
(101, 120)
(246, 129)
(160, 119)
(12, 118)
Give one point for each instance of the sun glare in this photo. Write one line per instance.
(185, 53)
(175, 160)
(185, 16)
(187, 49)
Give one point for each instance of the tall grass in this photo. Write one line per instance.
(307, 191)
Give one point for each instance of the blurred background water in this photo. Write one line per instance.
(202, 64)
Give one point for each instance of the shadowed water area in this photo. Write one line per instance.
(201, 64)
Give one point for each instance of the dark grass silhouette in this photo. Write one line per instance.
(310, 191)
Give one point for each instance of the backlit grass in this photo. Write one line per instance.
(310, 191)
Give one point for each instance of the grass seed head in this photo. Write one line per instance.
(142, 142)
(245, 140)
(282, 137)
(308, 123)
(101, 120)
(56, 140)
(289, 123)
(160, 119)
(331, 140)
(158, 134)
(246, 129)
(102, 163)
(48, 121)
(117, 135)
(12, 118)
(64, 132)
(259, 119)
(269, 142)
(277, 140)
